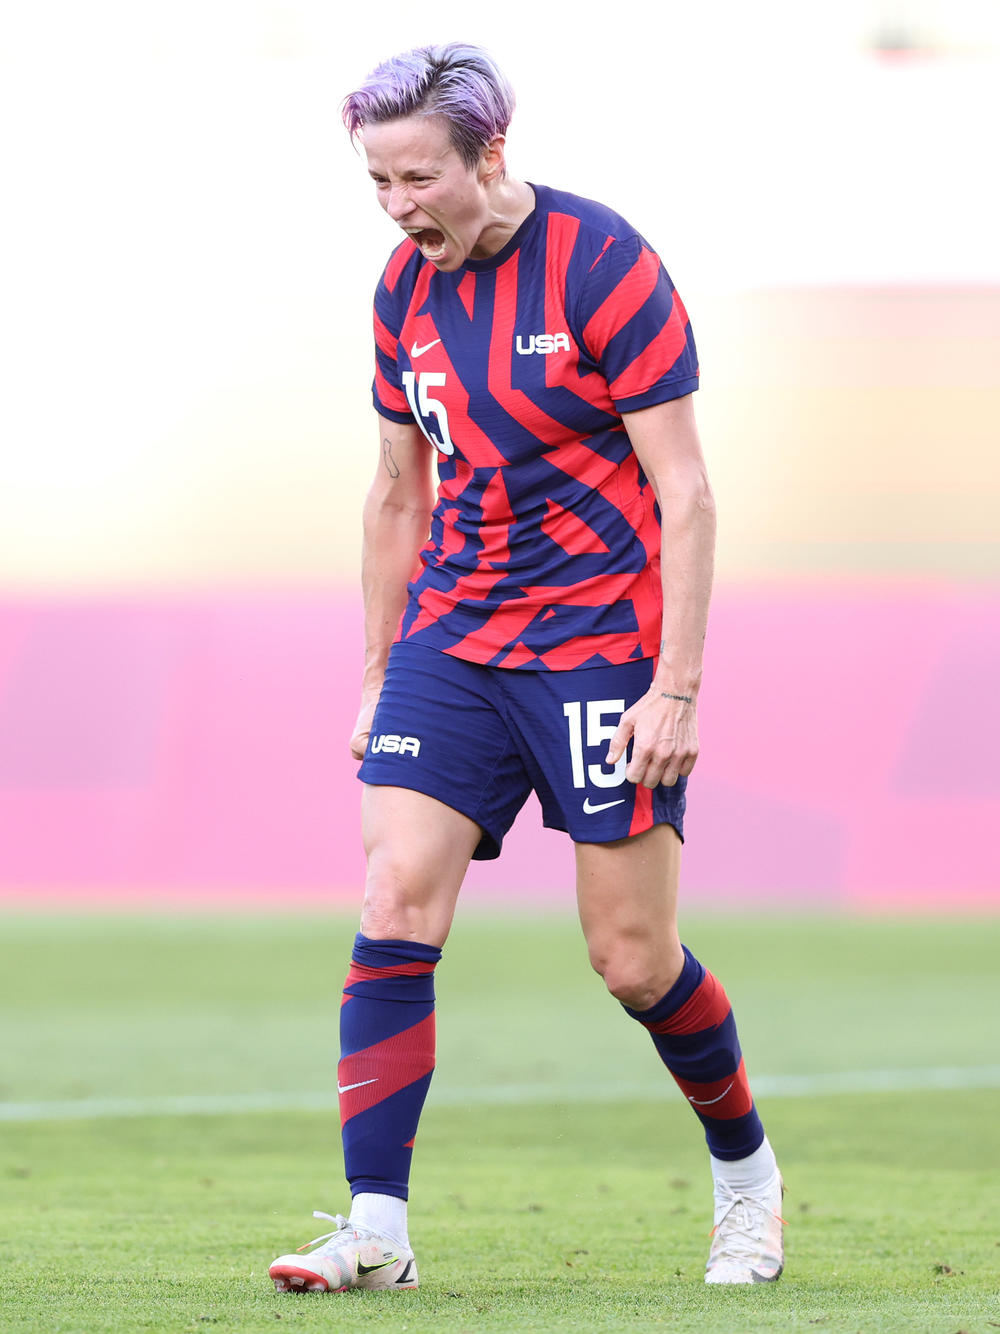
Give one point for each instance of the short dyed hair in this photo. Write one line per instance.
(461, 83)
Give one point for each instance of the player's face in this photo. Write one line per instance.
(427, 189)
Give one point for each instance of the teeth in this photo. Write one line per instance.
(421, 236)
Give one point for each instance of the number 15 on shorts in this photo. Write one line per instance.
(598, 733)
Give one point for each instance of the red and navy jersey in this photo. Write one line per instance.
(544, 544)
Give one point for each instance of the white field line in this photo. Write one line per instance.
(764, 1086)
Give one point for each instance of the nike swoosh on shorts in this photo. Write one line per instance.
(588, 809)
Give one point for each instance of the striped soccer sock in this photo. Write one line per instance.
(694, 1031)
(386, 1060)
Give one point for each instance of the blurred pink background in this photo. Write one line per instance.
(196, 750)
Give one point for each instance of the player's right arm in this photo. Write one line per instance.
(397, 518)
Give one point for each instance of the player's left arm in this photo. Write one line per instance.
(663, 725)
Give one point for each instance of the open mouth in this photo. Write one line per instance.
(429, 241)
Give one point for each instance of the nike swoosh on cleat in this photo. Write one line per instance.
(416, 351)
(365, 1270)
(346, 1088)
(589, 809)
(709, 1101)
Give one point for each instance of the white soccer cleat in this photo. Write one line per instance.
(747, 1244)
(348, 1257)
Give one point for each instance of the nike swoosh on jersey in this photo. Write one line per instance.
(588, 809)
(346, 1088)
(416, 351)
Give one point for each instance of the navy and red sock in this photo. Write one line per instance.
(694, 1031)
(387, 1059)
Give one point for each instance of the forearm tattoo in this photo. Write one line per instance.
(387, 458)
(665, 694)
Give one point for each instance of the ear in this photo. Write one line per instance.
(492, 164)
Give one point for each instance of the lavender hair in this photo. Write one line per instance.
(461, 83)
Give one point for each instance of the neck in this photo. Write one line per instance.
(510, 202)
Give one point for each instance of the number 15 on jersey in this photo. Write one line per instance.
(424, 406)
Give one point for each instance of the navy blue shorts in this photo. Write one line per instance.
(481, 738)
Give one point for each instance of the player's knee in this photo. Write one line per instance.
(633, 988)
(621, 973)
(389, 911)
(399, 903)
(636, 978)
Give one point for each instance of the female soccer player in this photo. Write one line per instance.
(537, 625)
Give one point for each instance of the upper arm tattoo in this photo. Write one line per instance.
(387, 458)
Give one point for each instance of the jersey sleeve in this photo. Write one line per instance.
(388, 394)
(635, 327)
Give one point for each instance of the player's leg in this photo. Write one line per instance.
(627, 893)
(442, 784)
(418, 852)
(628, 863)
(631, 925)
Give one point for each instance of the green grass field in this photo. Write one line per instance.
(168, 1125)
